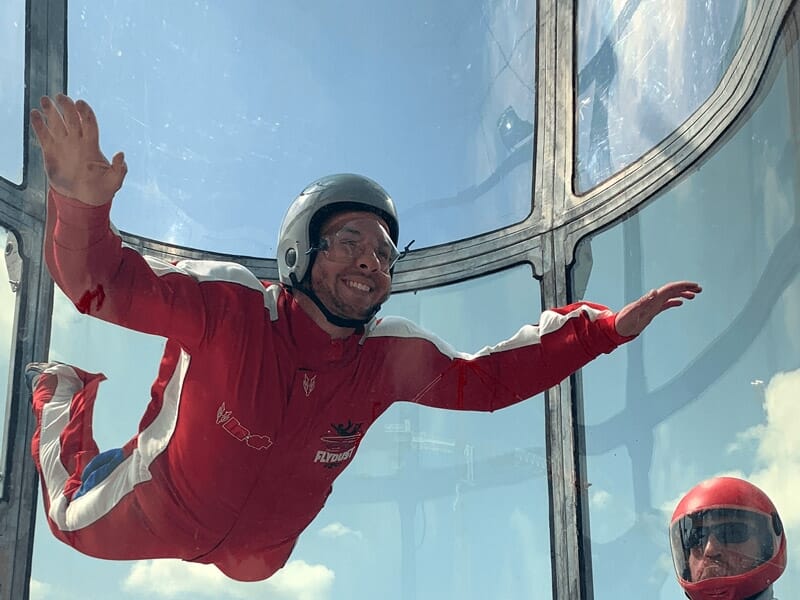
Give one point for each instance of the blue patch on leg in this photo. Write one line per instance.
(98, 469)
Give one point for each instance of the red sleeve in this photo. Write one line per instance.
(427, 370)
(102, 278)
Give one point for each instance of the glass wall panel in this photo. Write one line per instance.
(226, 113)
(643, 67)
(437, 504)
(12, 87)
(711, 388)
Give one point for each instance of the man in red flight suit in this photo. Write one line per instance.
(264, 390)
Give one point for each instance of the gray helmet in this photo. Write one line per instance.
(325, 197)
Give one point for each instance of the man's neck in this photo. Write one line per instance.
(316, 315)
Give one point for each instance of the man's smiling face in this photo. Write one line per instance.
(351, 286)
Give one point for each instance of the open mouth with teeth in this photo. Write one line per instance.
(358, 286)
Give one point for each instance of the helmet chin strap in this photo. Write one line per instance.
(329, 316)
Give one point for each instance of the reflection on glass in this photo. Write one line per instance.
(12, 87)
(441, 504)
(643, 68)
(226, 114)
(9, 283)
(711, 389)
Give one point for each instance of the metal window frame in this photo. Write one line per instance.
(22, 212)
(546, 240)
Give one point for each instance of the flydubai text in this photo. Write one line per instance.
(323, 456)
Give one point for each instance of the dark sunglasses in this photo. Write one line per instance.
(725, 533)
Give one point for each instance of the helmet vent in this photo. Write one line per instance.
(290, 257)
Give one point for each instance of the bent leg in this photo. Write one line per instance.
(62, 445)
(70, 464)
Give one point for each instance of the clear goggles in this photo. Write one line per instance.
(359, 238)
(731, 528)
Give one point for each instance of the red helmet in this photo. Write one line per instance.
(738, 522)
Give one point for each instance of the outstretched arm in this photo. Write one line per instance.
(70, 139)
(425, 369)
(634, 317)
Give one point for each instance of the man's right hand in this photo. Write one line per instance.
(76, 167)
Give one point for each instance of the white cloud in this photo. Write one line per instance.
(745, 440)
(335, 530)
(779, 447)
(39, 590)
(177, 579)
(599, 498)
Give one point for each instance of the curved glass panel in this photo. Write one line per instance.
(12, 87)
(436, 504)
(710, 388)
(644, 67)
(226, 114)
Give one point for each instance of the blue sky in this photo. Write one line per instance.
(225, 115)
(12, 68)
(288, 92)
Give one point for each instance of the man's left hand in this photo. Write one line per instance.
(637, 315)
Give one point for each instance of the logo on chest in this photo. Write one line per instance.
(340, 443)
(308, 384)
(232, 425)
